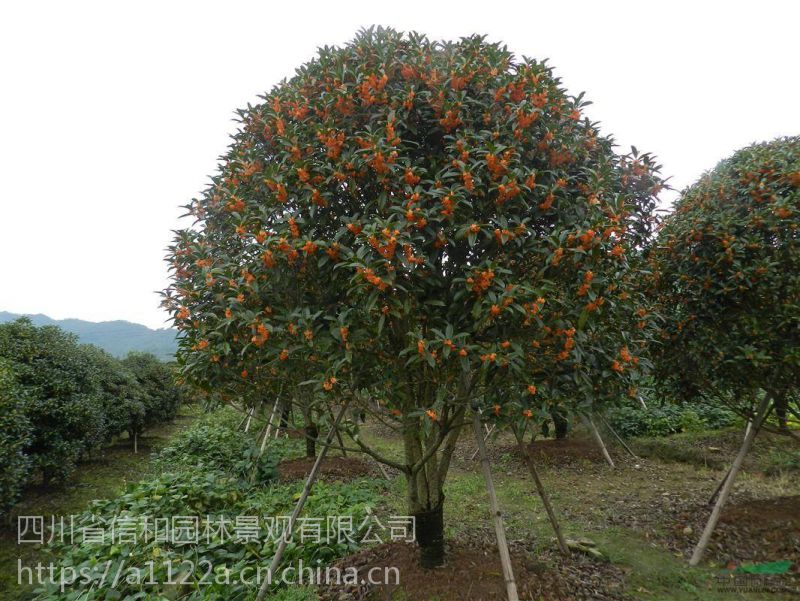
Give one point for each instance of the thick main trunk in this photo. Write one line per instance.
(561, 424)
(311, 439)
(429, 530)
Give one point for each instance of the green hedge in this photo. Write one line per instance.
(666, 419)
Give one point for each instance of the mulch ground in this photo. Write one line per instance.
(332, 468)
(749, 531)
(472, 572)
(563, 452)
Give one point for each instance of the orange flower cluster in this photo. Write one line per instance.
(587, 283)
(333, 141)
(235, 205)
(481, 282)
(450, 121)
(329, 383)
(507, 192)
(558, 254)
(449, 205)
(386, 250)
(333, 251)
(410, 178)
(569, 344)
(408, 251)
(261, 334)
(595, 304)
(373, 279)
(371, 87)
(469, 183)
(295, 231)
(497, 167)
(547, 202)
(587, 239)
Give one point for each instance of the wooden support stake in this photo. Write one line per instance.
(312, 476)
(618, 437)
(249, 418)
(269, 427)
(497, 515)
(700, 549)
(485, 438)
(528, 456)
(590, 424)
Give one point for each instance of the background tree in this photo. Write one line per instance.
(62, 405)
(15, 431)
(728, 274)
(406, 224)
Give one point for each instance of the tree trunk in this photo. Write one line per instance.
(780, 412)
(561, 423)
(429, 530)
(728, 486)
(311, 439)
(497, 515)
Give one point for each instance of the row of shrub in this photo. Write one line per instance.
(60, 400)
(200, 476)
(669, 418)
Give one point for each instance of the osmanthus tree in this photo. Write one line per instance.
(412, 225)
(727, 263)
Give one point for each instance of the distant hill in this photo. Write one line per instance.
(116, 337)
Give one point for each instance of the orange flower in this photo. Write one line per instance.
(431, 414)
(527, 413)
(284, 355)
(354, 228)
(495, 310)
(497, 410)
(531, 388)
(410, 178)
(344, 332)
(469, 184)
(421, 347)
(615, 365)
(505, 344)
(244, 373)
(474, 228)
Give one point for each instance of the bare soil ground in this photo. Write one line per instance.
(332, 468)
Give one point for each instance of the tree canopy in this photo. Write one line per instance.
(728, 274)
(419, 226)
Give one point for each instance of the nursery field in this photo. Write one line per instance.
(634, 525)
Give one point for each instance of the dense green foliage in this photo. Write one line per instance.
(115, 337)
(191, 485)
(69, 398)
(14, 437)
(668, 418)
(215, 443)
(728, 277)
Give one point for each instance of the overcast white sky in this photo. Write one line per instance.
(112, 114)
